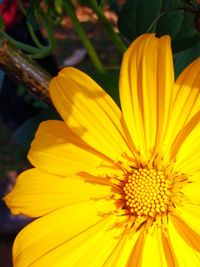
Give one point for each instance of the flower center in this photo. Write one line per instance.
(147, 192)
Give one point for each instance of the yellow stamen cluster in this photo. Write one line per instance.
(147, 192)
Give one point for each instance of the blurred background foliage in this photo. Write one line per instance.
(91, 35)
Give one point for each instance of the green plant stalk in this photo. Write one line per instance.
(41, 50)
(46, 50)
(85, 40)
(30, 27)
(50, 33)
(33, 36)
(121, 47)
(33, 51)
(19, 45)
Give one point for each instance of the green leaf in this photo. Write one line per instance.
(139, 16)
(184, 58)
(24, 135)
(109, 82)
(136, 17)
(170, 23)
(188, 35)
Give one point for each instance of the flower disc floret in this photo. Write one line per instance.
(147, 192)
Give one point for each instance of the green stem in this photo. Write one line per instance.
(30, 27)
(21, 7)
(27, 48)
(121, 47)
(50, 33)
(86, 42)
(41, 50)
(33, 35)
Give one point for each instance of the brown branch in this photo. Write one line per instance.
(24, 70)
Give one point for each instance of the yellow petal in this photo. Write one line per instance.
(122, 252)
(146, 84)
(187, 153)
(97, 248)
(170, 257)
(185, 113)
(191, 190)
(153, 253)
(89, 111)
(45, 236)
(136, 255)
(89, 248)
(186, 254)
(37, 193)
(188, 234)
(189, 214)
(57, 150)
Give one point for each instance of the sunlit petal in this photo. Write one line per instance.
(51, 192)
(146, 84)
(89, 111)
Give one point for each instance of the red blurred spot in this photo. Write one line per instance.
(10, 12)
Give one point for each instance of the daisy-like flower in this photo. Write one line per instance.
(111, 187)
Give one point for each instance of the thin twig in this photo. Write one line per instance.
(24, 70)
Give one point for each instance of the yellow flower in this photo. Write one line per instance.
(116, 188)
